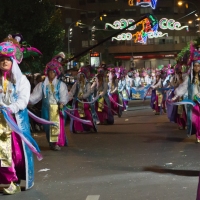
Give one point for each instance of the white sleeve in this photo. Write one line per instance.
(36, 95)
(93, 87)
(23, 96)
(64, 96)
(182, 88)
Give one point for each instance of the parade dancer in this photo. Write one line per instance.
(136, 79)
(116, 105)
(81, 92)
(193, 116)
(54, 95)
(129, 84)
(102, 109)
(157, 96)
(180, 83)
(123, 91)
(16, 143)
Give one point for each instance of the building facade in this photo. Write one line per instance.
(156, 51)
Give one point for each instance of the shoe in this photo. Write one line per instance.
(12, 189)
(180, 128)
(98, 122)
(198, 140)
(55, 147)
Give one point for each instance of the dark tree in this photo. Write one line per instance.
(40, 23)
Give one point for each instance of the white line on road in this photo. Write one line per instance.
(93, 197)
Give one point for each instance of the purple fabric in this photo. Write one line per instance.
(125, 104)
(39, 120)
(153, 99)
(103, 116)
(157, 108)
(62, 137)
(181, 120)
(17, 170)
(171, 111)
(114, 106)
(78, 126)
(198, 189)
(196, 121)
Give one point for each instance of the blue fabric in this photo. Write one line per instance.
(45, 106)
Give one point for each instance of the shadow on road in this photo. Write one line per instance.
(161, 170)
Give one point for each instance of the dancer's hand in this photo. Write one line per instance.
(174, 98)
(198, 95)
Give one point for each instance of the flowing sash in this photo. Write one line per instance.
(30, 142)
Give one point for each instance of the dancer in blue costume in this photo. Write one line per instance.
(16, 143)
(54, 95)
(193, 113)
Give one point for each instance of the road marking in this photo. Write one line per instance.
(93, 197)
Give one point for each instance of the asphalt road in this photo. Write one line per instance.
(141, 157)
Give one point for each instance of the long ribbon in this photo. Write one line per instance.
(184, 102)
(40, 120)
(111, 99)
(88, 122)
(91, 102)
(108, 107)
(31, 143)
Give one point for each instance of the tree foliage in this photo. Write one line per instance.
(40, 23)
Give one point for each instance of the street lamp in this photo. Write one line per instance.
(180, 3)
(70, 34)
(93, 28)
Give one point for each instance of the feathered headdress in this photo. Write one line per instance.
(55, 64)
(12, 50)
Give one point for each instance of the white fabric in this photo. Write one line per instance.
(37, 93)
(136, 81)
(23, 94)
(86, 90)
(22, 89)
(182, 88)
(17, 74)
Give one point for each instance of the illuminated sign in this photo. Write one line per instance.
(130, 3)
(130, 36)
(146, 3)
(169, 56)
(171, 24)
(95, 59)
(95, 54)
(149, 28)
(139, 36)
(122, 23)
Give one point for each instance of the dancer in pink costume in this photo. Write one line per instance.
(81, 92)
(16, 143)
(193, 116)
(54, 95)
(101, 106)
(116, 105)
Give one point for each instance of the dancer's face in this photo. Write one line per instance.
(82, 78)
(5, 63)
(196, 67)
(51, 75)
